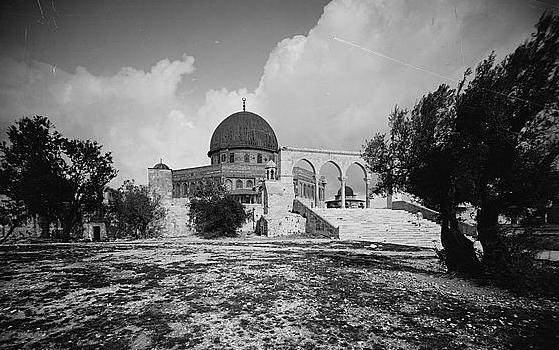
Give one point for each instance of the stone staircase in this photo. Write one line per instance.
(383, 225)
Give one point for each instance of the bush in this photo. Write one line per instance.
(522, 273)
(133, 213)
(216, 214)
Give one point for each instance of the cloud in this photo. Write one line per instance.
(314, 91)
(319, 92)
(139, 116)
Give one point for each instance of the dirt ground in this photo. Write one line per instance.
(255, 295)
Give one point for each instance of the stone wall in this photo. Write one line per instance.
(278, 203)
(89, 229)
(160, 182)
(176, 222)
(185, 181)
(316, 225)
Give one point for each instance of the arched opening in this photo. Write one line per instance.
(329, 178)
(357, 185)
(250, 184)
(228, 185)
(304, 182)
(239, 184)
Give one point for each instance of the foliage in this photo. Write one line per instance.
(490, 142)
(386, 154)
(423, 151)
(132, 212)
(524, 273)
(55, 177)
(13, 214)
(215, 213)
(508, 116)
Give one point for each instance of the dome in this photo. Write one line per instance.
(244, 130)
(348, 191)
(161, 166)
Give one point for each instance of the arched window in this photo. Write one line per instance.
(272, 177)
(184, 189)
(247, 158)
(259, 158)
(231, 157)
(228, 185)
(250, 184)
(223, 158)
(239, 184)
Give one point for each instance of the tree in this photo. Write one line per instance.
(421, 157)
(55, 177)
(502, 114)
(30, 167)
(491, 143)
(133, 213)
(386, 155)
(216, 213)
(13, 214)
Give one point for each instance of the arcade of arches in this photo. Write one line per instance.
(303, 167)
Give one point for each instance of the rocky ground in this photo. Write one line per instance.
(256, 295)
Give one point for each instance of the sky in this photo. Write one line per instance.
(152, 79)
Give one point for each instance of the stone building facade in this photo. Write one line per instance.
(240, 147)
(245, 158)
(241, 150)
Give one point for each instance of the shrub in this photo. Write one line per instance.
(216, 214)
(522, 273)
(133, 213)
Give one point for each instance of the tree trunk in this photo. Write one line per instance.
(494, 251)
(7, 235)
(460, 253)
(44, 226)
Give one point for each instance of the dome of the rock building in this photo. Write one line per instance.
(244, 130)
(161, 166)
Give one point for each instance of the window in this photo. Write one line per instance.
(250, 184)
(247, 158)
(223, 158)
(239, 184)
(231, 157)
(259, 158)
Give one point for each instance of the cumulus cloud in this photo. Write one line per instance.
(314, 91)
(320, 92)
(139, 116)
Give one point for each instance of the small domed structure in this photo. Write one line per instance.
(351, 201)
(348, 192)
(161, 166)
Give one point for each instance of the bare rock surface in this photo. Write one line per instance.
(249, 294)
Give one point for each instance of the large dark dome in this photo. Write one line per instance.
(244, 130)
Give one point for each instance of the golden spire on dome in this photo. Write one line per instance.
(244, 104)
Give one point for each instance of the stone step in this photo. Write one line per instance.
(382, 225)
